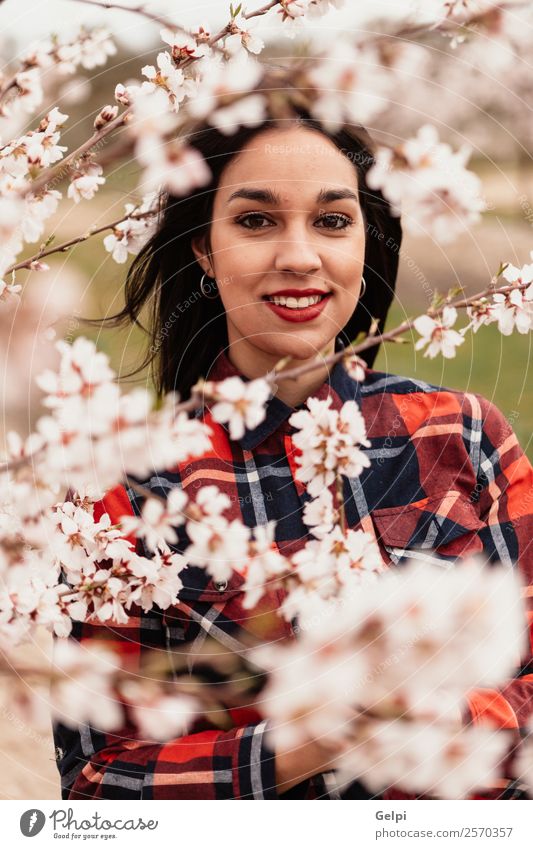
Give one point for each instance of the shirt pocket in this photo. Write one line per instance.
(445, 522)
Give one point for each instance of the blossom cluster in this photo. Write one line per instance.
(90, 436)
(129, 235)
(218, 80)
(23, 92)
(385, 676)
(429, 183)
(511, 309)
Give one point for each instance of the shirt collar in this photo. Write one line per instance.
(338, 385)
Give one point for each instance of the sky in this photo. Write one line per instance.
(25, 20)
(22, 18)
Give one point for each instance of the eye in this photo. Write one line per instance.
(251, 216)
(334, 221)
(336, 218)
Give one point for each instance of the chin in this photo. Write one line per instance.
(298, 349)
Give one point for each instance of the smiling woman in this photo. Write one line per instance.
(287, 211)
(287, 230)
(303, 239)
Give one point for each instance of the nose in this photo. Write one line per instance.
(297, 252)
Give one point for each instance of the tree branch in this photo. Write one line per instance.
(64, 246)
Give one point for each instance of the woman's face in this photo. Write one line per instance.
(286, 216)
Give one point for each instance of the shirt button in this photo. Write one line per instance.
(221, 586)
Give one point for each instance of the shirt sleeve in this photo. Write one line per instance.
(505, 505)
(207, 764)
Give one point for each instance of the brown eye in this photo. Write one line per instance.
(254, 217)
(336, 218)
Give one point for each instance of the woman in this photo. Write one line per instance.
(288, 214)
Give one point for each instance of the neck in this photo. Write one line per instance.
(254, 363)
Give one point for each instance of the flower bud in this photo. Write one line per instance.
(107, 114)
(121, 95)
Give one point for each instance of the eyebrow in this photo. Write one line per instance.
(271, 197)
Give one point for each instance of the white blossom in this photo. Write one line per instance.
(157, 520)
(82, 690)
(35, 149)
(239, 74)
(169, 79)
(81, 369)
(86, 183)
(524, 762)
(95, 48)
(157, 715)
(37, 210)
(429, 182)
(184, 46)
(241, 37)
(520, 276)
(159, 578)
(480, 313)
(151, 115)
(212, 501)
(330, 443)
(265, 564)
(9, 292)
(439, 761)
(240, 404)
(351, 85)
(246, 112)
(94, 432)
(356, 367)
(320, 514)
(29, 93)
(335, 558)
(437, 333)
(305, 695)
(129, 236)
(292, 15)
(219, 546)
(172, 166)
(513, 311)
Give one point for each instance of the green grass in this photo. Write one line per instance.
(488, 363)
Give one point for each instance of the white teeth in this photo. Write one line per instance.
(296, 303)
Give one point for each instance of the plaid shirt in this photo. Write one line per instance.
(447, 475)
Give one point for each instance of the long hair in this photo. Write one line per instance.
(186, 329)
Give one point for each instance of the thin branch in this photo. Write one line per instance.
(370, 341)
(195, 402)
(136, 10)
(53, 172)
(64, 246)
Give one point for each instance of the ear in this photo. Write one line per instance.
(198, 247)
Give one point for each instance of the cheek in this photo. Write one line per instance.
(348, 269)
(347, 255)
(230, 249)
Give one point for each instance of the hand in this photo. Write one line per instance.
(305, 760)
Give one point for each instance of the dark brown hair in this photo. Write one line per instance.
(186, 329)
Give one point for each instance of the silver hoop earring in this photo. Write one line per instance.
(207, 292)
(363, 287)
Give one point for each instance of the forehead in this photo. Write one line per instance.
(297, 161)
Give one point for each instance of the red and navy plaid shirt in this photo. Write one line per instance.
(447, 475)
